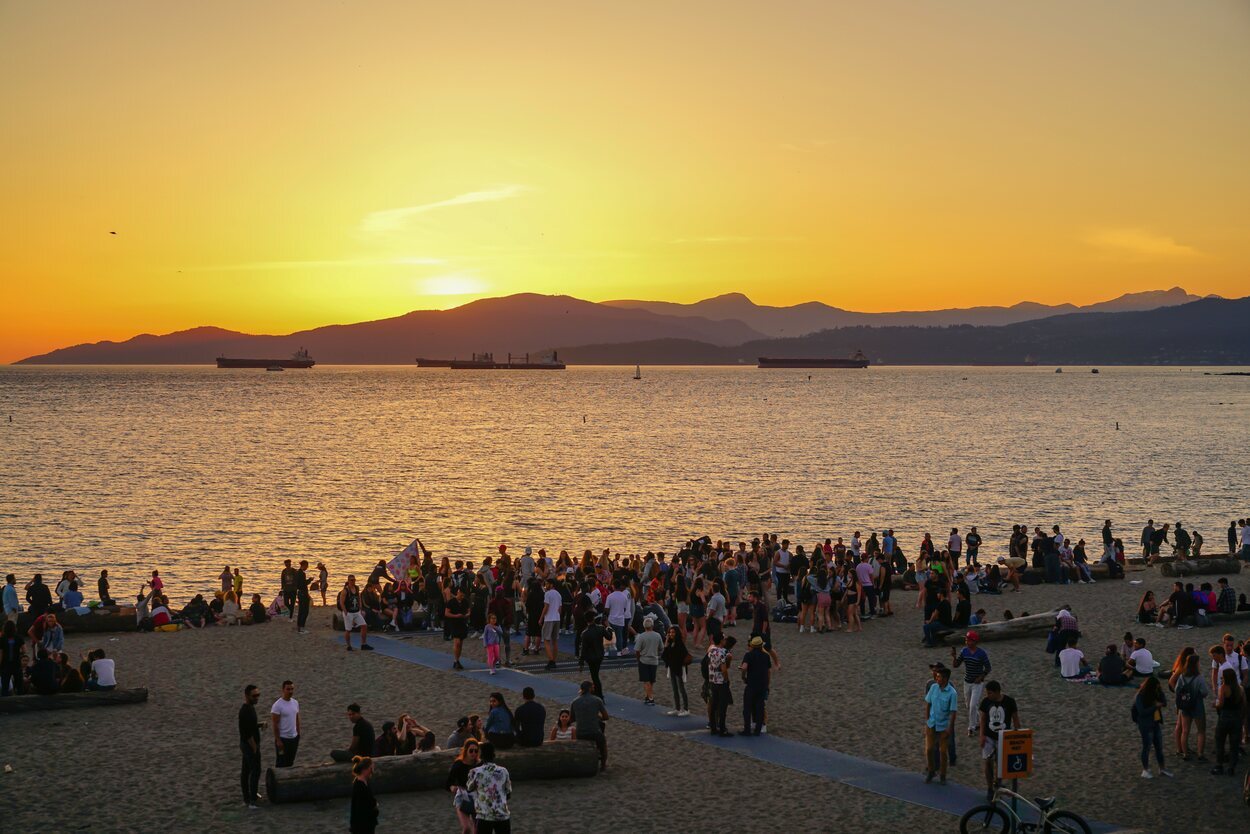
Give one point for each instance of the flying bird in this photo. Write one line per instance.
(112, 233)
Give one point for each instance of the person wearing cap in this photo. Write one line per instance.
(941, 704)
(648, 646)
(527, 567)
(756, 669)
(998, 713)
(976, 663)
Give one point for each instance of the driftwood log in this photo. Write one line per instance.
(1030, 626)
(111, 620)
(428, 771)
(1159, 560)
(72, 700)
(1200, 567)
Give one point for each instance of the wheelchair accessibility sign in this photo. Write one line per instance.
(1015, 754)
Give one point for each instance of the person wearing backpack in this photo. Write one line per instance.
(1147, 713)
(1191, 689)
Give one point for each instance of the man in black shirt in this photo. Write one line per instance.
(38, 597)
(998, 712)
(249, 745)
(362, 737)
(457, 616)
(592, 652)
(756, 671)
(44, 678)
(529, 719)
(102, 585)
(288, 587)
(963, 608)
(302, 598)
(939, 621)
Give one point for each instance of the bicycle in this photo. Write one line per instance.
(999, 816)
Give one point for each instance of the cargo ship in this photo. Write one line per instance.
(300, 359)
(856, 361)
(487, 362)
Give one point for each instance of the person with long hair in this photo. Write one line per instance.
(1191, 689)
(698, 612)
(1147, 609)
(824, 598)
(1148, 713)
(12, 660)
(682, 596)
(500, 723)
(1230, 703)
(677, 660)
(1178, 666)
(457, 784)
(364, 808)
(850, 601)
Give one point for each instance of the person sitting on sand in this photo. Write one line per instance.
(103, 677)
(160, 611)
(939, 621)
(70, 677)
(197, 614)
(1243, 604)
(412, 737)
(362, 737)
(72, 598)
(230, 614)
(1141, 661)
(1147, 609)
(1111, 669)
(1072, 663)
(44, 675)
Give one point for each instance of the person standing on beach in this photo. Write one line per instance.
(302, 597)
(490, 785)
(249, 745)
(592, 651)
(287, 580)
(648, 647)
(719, 659)
(286, 726)
(236, 583)
(1148, 714)
(756, 672)
(456, 615)
(998, 713)
(349, 606)
(941, 703)
(102, 587)
(12, 608)
(552, 602)
(976, 663)
(1147, 535)
(363, 814)
(972, 544)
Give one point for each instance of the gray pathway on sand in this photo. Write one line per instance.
(865, 774)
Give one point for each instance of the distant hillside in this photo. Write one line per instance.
(517, 324)
(1206, 332)
(801, 319)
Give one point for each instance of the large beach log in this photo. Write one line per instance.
(1200, 567)
(112, 620)
(72, 700)
(428, 771)
(1030, 626)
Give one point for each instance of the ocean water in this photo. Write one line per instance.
(188, 469)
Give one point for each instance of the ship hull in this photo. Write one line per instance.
(456, 365)
(774, 362)
(422, 362)
(223, 362)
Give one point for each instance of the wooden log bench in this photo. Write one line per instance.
(1200, 567)
(1033, 625)
(428, 771)
(72, 700)
(111, 620)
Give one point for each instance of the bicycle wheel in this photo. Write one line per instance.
(1245, 788)
(1066, 822)
(985, 818)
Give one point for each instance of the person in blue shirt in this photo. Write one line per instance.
(12, 607)
(941, 703)
(72, 598)
(500, 729)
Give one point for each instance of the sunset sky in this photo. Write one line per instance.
(269, 166)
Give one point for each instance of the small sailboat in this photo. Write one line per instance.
(1058, 370)
(637, 372)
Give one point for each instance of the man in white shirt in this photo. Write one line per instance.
(1072, 661)
(620, 611)
(955, 544)
(527, 567)
(103, 673)
(781, 567)
(551, 622)
(286, 726)
(1141, 661)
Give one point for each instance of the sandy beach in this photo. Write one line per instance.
(173, 761)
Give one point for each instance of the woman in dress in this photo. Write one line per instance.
(457, 781)
(698, 612)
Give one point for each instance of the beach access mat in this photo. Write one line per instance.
(875, 777)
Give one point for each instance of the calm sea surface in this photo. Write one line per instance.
(188, 469)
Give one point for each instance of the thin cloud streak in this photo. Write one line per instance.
(733, 239)
(256, 266)
(1138, 245)
(393, 220)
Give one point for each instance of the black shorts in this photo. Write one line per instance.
(458, 629)
(646, 672)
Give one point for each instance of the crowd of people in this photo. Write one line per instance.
(479, 787)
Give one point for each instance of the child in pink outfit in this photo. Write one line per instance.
(492, 637)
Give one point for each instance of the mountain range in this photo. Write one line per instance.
(728, 329)
(801, 319)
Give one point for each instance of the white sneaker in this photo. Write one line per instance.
(673, 712)
(1146, 774)
(492, 671)
(763, 728)
(682, 713)
(1164, 772)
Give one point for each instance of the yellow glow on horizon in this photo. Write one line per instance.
(278, 165)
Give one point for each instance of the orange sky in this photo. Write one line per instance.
(269, 166)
